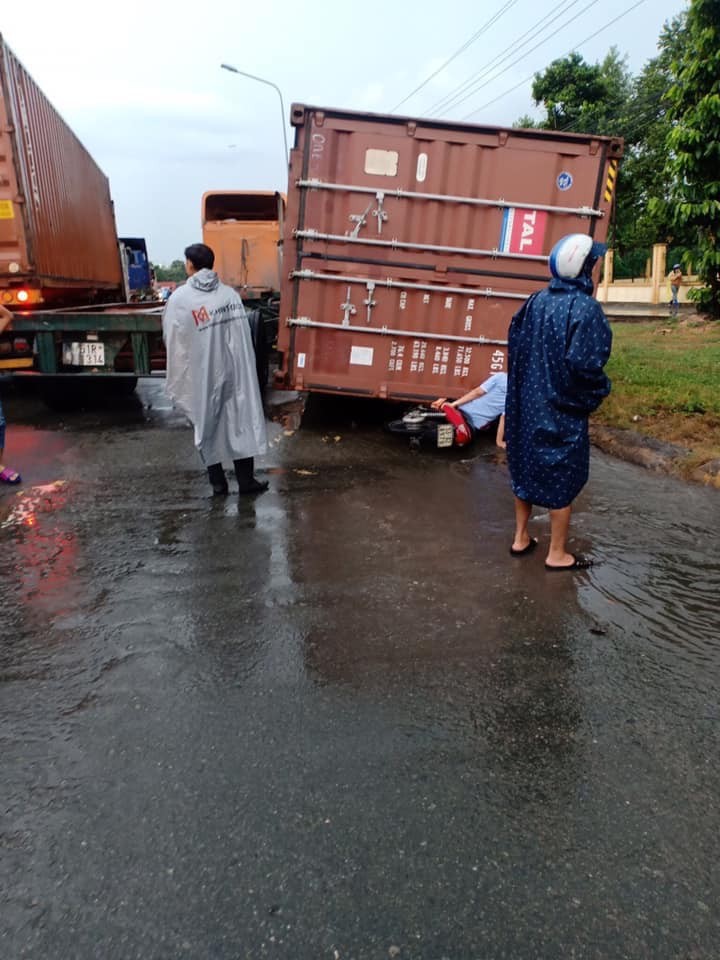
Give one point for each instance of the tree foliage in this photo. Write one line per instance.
(175, 272)
(604, 98)
(693, 158)
(640, 220)
(584, 97)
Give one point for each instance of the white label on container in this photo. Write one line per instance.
(421, 171)
(301, 360)
(361, 356)
(381, 163)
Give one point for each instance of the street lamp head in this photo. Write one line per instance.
(269, 83)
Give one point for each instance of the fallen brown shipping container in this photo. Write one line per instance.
(409, 244)
(58, 240)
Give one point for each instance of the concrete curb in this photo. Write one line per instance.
(652, 454)
(643, 312)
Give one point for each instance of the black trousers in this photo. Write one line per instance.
(243, 472)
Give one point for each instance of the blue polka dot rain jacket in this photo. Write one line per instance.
(559, 342)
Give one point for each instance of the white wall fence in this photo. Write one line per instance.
(653, 288)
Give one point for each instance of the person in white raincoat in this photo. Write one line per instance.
(211, 374)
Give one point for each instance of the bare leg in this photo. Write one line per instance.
(9, 475)
(559, 527)
(522, 518)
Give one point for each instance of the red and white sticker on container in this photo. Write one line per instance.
(523, 231)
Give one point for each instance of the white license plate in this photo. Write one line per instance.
(90, 354)
(445, 434)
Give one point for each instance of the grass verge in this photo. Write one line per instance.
(666, 385)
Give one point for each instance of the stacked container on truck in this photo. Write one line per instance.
(58, 242)
(60, 259)
(410, 243)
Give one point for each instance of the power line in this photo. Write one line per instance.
(468, 43)
(640, 110)
(539, 26)
(571, 50)
(495, 76)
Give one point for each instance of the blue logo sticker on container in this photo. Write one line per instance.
(564, 180)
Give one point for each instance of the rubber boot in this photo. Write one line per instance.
(218, 482)
(246, 481)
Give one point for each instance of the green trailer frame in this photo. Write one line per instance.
(133, 335)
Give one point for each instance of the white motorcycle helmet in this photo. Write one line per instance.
(569, 255)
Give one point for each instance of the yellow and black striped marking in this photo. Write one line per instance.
(611, 178)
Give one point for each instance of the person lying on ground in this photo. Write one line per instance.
(481, 406)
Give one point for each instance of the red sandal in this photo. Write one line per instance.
(9, 476)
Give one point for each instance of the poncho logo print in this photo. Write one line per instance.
(205, 319)
(201, 316)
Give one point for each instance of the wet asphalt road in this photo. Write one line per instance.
(340, 721)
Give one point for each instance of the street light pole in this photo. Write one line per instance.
(251, 76)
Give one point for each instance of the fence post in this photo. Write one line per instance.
(659, 262)
(607, 277)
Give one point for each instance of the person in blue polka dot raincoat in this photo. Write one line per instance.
(559, 343)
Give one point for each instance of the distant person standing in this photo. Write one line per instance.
(675, 278)
(7, 475)
(559, 343)
(211, 372)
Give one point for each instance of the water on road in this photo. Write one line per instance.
(340, 720)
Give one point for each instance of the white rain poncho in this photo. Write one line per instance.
(211, 372)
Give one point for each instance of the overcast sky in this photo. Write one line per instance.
(141, 84)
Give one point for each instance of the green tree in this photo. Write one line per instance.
(604, 98)
(693, 161)
(640, 220)
(584, 97)
(175, 272)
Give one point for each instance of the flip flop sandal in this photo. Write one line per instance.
(525, 550)
(9, 476)
(579, 563)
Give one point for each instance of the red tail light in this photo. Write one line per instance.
(21, 345)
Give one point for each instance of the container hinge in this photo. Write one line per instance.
(379, 211)
(349, 309)
(360, 220)
(369, 302)
(502, 138)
